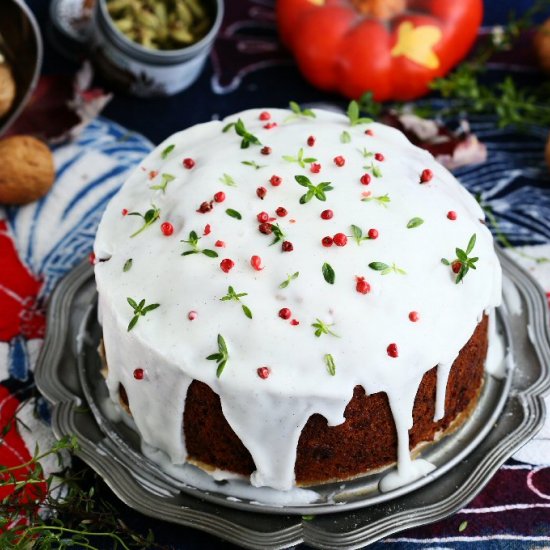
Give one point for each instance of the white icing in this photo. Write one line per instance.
(498, 360)
(403, 475)
(269, 414)
(443, 371)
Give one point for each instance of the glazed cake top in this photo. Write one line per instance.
(294, 256)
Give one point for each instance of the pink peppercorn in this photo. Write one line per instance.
(426, 175)
(167, 229)
(205, 207)
(369, 132)
(219, 244)
(373, 234)
(379, 157)
(275, 180)
(124, 211)
(270, 125)
(392, 350)
(456, 266)
(263, 372)
(339, 161)
(362, 286)
(327, 214)
(365, 179)
(261, 192)
(285, 313)
(91, 258)
(188, 163)
(265, 228)
(287, 246)
(413, 316)
(139, 374)
(311, 141)
(451, 215)
(227, 265)
(207, 229)
(192, 315)
(340, 239)
(256, 263)
(315, 168)
(262, 217)
(281, 212)
(265, 150)
(264, 115)
(219, 196)
(294, 322)
(327, 241)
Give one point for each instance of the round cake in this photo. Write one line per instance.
(297, 296)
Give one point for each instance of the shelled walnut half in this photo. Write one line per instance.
(7, 87)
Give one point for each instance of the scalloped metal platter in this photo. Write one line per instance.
(349, 515)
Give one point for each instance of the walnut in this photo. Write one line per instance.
(27, 170)
(7, 89)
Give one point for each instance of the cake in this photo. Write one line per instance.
(295, 296)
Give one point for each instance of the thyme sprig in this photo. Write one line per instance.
(366, 153)
(289, 279)
(232, 295)
(221, 357)
(317, 191)
(323, 328)
(127, 265)
(331, 365)
(226, 179)
(382, 200)
(354, 115)
(345, 137)
(165, 152)
(298, 112)
(140, 310)
(240, 130)
(193, 242)
(253, 164)
(165, 180)
(299, 158)
(462, 263)
(278, 234)
(72, 511)
(386, 268)
(149, 218)
(375, 169)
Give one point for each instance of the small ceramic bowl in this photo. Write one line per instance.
(146, 72)
(21, 46)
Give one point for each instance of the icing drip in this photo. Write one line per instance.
(443, 370)
(212, 193)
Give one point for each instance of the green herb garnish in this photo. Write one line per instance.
(385, 268)
(289, 279)
(140, 310)
(232, 295)
(193, 242)
(149, 218)
(221, 357)
(414, 222)
(345, 137)
(328, 273)
(253, 164)
(228, 180)
(278, 234)
(241, 131)
(165, 180)
(383, 200)
(331, 365)
(299, 158)
(366, 154)
(376, 172)
(127, 265)
(298, 112)
(353, 113)
(317, 191)
(323, 328)
(234, 214)
(462, 263)
(167, 151)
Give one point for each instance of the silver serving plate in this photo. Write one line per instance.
(350, 515)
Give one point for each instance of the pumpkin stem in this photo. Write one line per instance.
(380, 9)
